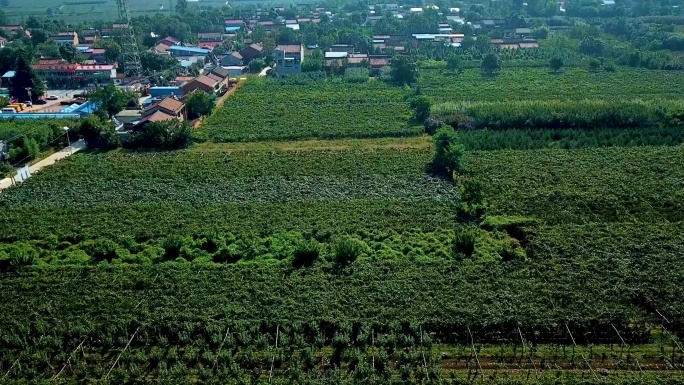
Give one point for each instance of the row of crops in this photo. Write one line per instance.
(562, 114)
(539, 84)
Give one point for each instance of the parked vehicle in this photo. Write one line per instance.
(9, 110)
(52, 97)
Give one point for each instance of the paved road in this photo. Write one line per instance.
(50, 160)
(264, 72)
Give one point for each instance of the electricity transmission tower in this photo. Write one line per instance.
(129, 48)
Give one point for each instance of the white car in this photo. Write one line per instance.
(52, 97)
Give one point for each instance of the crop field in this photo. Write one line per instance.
(193, 254)
(306, 240)
(149, 195)
(540, 84)
(78, 11)
(266, 110)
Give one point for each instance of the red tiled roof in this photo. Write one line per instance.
(160, 48)
(209, 35)
(171, 104)
(206, 80)
(159, 116)
(291, 48)
(52, 65)
(266, 23)
(233, 21)
(236, 55)
(108, 67)
(379, 62)
(11, 28)
(209, 44)
(215, 77)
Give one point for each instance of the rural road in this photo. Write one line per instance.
(264, 71)
(50, 160)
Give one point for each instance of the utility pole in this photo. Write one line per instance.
(129, 46)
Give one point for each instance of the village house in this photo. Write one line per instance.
(233, 25)
(14, 31)
(250, 52)
(232, 59)
(209, 36)
(66, 38)
(288, 59)
(3, 42)
(167, 109)
(162, 46)
(61, 73)
(202, 82)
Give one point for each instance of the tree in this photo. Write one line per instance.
(314, 62)
(112, 100)
(111, 47)
(181, 6)
(403, 70)
(448, 151)
(68, 53)
(556, 64)
(199, 103)
(258, 34)
(421, 107)
(594, 65)
(490, 64)
(167, 135)
(454, 64)
(256, 65)
(25, 79)
(39, 36)
(592, 46)
(99, 134)
(49, 49)
(155, 63)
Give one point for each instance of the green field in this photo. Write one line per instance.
(189, 256)
(79, 11)
(266, 110)
(306, 240)
(540, 84)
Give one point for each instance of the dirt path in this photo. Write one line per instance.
(50, 160)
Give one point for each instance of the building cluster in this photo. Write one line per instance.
(167, 103)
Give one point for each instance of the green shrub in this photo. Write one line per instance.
(101, 249)
(306, 254)
(346, 250)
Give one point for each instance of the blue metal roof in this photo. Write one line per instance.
(232, 29)
(9, 74)
(39, 116)
(189, 49)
